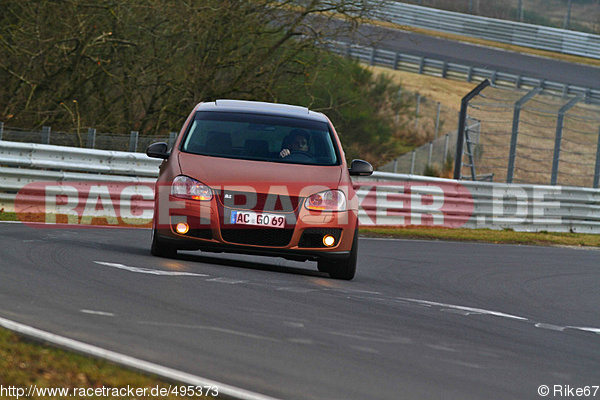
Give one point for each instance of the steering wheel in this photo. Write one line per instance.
(299, 155)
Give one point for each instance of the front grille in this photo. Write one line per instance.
(258, 236)
(265, 202)
(313, 237)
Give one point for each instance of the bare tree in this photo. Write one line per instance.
(141, 64)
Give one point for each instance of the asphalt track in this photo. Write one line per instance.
(422, 319)
(479, 56)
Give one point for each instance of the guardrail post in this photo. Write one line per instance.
(45, 135)
(396, 61)
(412, 162)
(588, 95)
(373, 54)
(597, 173)
(1, 129)
(91, 139)
(519, 82)
(133, 141)
(470, 74)
(462, 119)
(396, 166)
(421, 65)
(515, 132)
(558, 140)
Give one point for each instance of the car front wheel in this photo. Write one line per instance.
(160, 249)
(341, 269)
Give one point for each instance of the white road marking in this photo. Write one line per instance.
(228, 281)
(148, 271)
(581, 328)
(550, 327)
(131, 362)
(209, 328)
(103, 313)
(470, 310)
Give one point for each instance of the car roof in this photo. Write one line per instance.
(259, 107)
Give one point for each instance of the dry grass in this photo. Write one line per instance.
(446, 91)
(486, 236)
(24, 364)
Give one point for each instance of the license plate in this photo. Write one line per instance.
(257, 219)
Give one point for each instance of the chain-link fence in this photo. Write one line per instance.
(88, 139)
(530, 137)
(580, 15)
(435, 158)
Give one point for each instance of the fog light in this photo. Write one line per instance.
(328, 240)
(182, 228)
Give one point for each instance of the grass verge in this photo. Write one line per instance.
(24, 364)
(505, 236)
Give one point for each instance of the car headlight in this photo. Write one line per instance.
(187, 188)
(329, 200)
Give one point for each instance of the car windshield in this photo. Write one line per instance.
(261, 137)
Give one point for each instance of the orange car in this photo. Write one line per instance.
(258, 178)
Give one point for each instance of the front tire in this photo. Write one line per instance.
(160, 249)
(341, 269)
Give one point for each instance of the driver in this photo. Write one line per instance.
(297, 140)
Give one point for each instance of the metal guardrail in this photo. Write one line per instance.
(445, 69)
(39, 156)
(386, 199)
(516, 33)
(397, 199)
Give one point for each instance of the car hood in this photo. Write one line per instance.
(261, 176)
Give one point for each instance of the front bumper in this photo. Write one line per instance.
(210, 231)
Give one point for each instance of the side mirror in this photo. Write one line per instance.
(158, 150)
(360, 168)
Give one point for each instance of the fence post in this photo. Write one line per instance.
(91, 139)
(429, 153)
(437, 119)
(446, 146)
(172, 138)
(558, 140)
(400, 100)
(1, 129)
(417, 110)
(133, 141)
(45, 135)
(515, 132)
(462, 118)
(597, 172)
